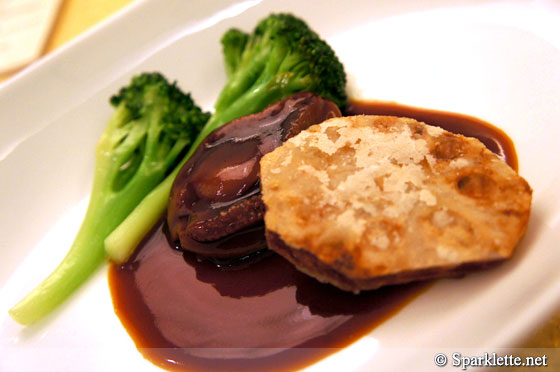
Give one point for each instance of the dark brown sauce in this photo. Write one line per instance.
(185, 314)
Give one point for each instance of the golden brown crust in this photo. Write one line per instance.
(382, 200)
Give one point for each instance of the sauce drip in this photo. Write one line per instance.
(261, 314)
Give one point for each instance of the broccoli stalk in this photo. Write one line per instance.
(153, 125)
(281, 57)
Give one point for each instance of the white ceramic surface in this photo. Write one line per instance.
(497, 60)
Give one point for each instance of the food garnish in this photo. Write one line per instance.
(153, 125)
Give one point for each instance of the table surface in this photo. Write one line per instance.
(77, 16)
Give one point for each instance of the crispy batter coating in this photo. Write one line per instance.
(366, 201)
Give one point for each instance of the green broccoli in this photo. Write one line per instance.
(233, 43)
(281, 57)
(152, 128)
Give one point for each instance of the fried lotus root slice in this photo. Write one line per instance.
(366, 201)
(217, 192)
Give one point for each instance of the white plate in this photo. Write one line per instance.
(497, 60)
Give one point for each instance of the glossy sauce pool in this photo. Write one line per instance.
(185, 314)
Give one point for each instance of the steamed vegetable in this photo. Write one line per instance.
(282, 56)
(153, 126)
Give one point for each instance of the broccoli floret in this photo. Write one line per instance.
(151, 129)
(281, 57)
(142, 148)
(233, 44)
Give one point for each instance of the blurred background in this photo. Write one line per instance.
(31, 29)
